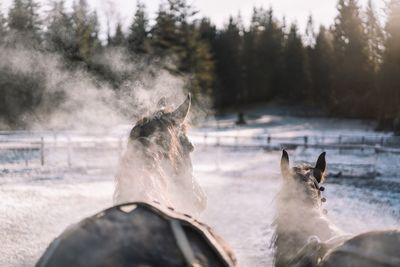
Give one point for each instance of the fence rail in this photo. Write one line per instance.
(380, 144)
(77, 150)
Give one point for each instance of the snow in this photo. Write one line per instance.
(39, 202)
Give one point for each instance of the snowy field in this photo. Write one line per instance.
(39, 202)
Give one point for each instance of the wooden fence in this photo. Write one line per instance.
(379, 144)
(75, 150)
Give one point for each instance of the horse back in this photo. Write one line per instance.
(371, 249)
(135, 235)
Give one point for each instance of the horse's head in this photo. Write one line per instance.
(157, 164)
(302, 183)
(298, 218)
(163, 135)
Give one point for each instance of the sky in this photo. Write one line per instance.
(298, 11)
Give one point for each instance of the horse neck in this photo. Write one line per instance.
(295, 224)
(141, 177)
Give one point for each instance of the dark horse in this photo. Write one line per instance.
(156, 165)
(155, 177)
(304, 237)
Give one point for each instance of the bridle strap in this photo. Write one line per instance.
(183, 244)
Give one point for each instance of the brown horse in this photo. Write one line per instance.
(157, 165)
(304, 237)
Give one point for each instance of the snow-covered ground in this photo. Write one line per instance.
(38, 203)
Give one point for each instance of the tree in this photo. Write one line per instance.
(176, 38)
(310, 34)
(86, 28)
(269, 55)
(24, 21)
(375, 37)
(3, 26)
(119, 38)
(389, 74)
(228, 67)
(321, 68)
(164, 32)
(60, 34)
(138, 31)
(353, 79)
(296, 72)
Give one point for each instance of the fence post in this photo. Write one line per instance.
(27, 152)
(42, 151)
(362, 143)
(269, 140)
(305, 141)
(120, 146)
(69, 152)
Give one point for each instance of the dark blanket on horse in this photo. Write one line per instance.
(138, 234)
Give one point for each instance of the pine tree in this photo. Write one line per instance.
(86, 27)
(119, 38)
(296, 72)
(249, 59)
(271, 51)
(310, 34)
(353, 79)
(176, 37)
(389, 74)
(228, 67)
(321, 68)
(24, 21)
(17, 17)
(164, 32)
(375, 37)
(207, 31)
(3, 26)
(60, 35)
(138, 31)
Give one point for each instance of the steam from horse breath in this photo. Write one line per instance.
(92, 105)
(87, 103)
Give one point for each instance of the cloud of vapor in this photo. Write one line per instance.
(70, 97)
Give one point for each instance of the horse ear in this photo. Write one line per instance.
(285, 168)
(321, 162)
(179, 114)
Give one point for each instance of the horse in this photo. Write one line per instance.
(155, 193)
(304, 237)
(156, 165)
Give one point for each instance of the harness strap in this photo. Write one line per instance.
(183, 244)
(308, 255)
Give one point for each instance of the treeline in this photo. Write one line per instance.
(350, 69)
